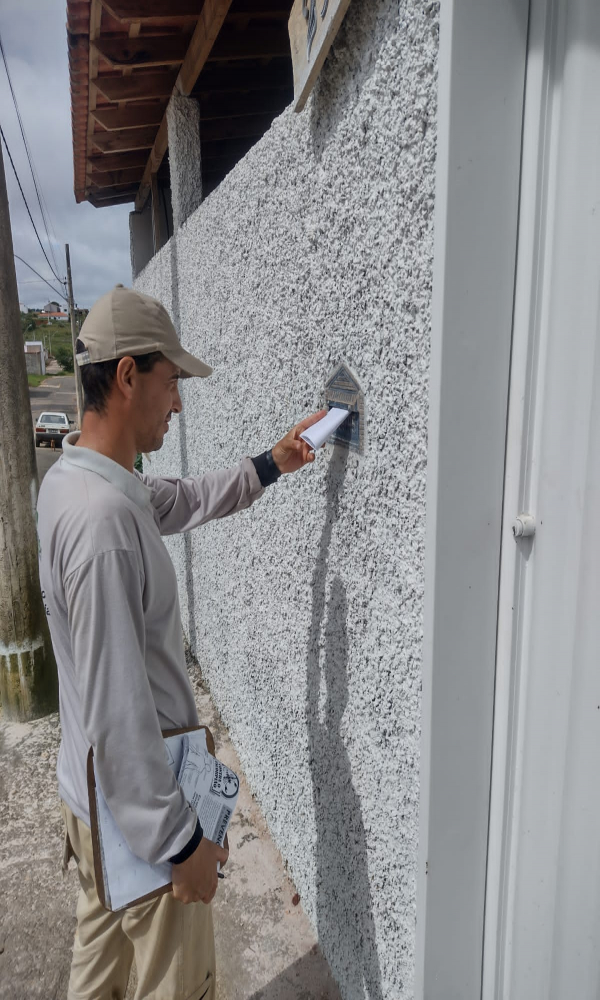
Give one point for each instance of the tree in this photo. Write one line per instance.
(28, 324)
(28, 683)
(64, 356)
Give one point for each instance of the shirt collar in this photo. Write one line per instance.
(93, 461)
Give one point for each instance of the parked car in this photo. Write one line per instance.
(51, 427)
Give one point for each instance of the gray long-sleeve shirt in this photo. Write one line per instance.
(111, 598)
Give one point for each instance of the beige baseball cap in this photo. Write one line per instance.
(125, 323)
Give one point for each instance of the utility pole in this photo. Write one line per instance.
(28, 683)
(76, 368)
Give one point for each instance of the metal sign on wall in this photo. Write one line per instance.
(313, 26)
(342, 390)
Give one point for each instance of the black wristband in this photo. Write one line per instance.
(266, 469)
(190, 847)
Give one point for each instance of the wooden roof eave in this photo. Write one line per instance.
(78, 20)
(137, 54)
(207, 29)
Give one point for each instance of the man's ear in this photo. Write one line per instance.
(126, 377)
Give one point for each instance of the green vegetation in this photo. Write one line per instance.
(27, 325)
(53, 335)
(35, 380)
(64, 356)
(56, 338)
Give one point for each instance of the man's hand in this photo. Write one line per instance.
(290, 454)
(196, 880)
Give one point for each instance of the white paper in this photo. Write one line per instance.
(211, 787)
(317, 435)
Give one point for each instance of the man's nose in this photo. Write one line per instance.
(177, 406)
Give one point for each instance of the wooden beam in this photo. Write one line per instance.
(105, 195)
(118, 199)
(149, 11)
(207, 29)
(203, 41)
(118, 161)
(79, 25)
(238, 105)
(157, 152)
(133, 31)
(135, 138)
(154, 50)
(136, 88)
(253, 43)
(135, 117)
(99, 192)
(114, 178)
(95, 24)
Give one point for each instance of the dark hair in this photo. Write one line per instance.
(97, 379)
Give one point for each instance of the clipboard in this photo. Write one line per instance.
(99, 872)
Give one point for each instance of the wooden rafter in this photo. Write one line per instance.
(152, 11)
(105, 193)
(138, 87)
(155, 50)
(134, 138)
(118, 199)
(113, 196)
(207, 29)
(118, 161)
(128, 57)
(136, 117)
(203, 40)
(112, 178)
(95, 22)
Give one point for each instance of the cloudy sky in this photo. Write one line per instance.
(35, 43)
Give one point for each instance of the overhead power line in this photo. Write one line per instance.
(27, 206)
(38, 187)
(61, 295)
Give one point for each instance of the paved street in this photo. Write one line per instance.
(57, 393)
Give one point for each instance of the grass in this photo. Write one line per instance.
(35, 380)
(56, 335)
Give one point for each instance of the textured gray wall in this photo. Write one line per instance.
(183, 123)
(305, 612)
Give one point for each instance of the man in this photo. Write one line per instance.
(111, 596)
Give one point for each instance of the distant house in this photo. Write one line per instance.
(51, 307)
(50, 317)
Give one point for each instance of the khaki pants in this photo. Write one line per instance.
(172, 943)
